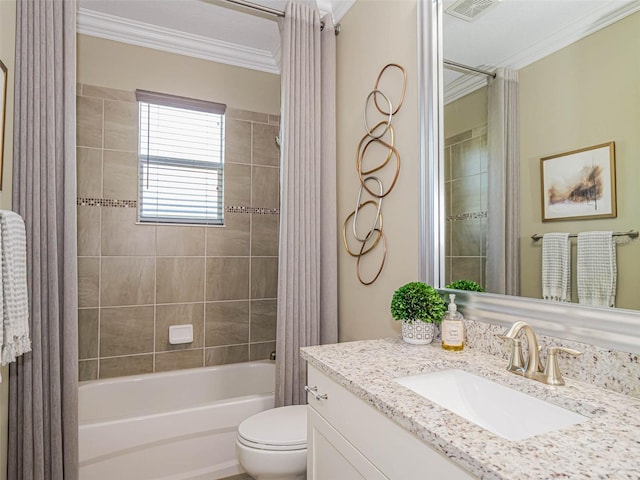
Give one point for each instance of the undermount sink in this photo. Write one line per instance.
(502, 410)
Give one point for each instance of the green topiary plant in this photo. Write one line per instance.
(417, 301)
(468, 285)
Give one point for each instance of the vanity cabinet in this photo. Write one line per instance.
(350, 440)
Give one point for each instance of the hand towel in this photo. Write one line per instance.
(556, 267)
(15, 303)
(597, 269)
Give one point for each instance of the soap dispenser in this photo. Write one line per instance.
(452, 327)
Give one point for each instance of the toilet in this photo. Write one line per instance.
(272, 445)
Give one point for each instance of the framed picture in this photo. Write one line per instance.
(3, 109)
(579, 185)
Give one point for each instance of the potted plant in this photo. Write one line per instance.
(419, 306)
(468, 285)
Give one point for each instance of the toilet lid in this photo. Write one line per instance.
(276, 429)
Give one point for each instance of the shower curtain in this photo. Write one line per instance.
(307, 268)
(43, 394)
(503, 218)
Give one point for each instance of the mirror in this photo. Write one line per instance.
(608, 328)
(578, 75)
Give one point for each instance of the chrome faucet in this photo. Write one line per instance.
(533, 367)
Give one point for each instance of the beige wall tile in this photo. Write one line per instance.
(122, 366)
(179, 279)
(465, 195)
(182, 314)
(467, 268)
(168, 361)
(237, 147)
(261, 351)
(227, 278)
(232, 239)
(466, 238)
(89, 172)
(237, 185)
(247, 115)
(265, 231)
(225, 355)
(87, 370)
(108, 93)
(226, 323)
(89, 122)
(274, 119)
(265, 187)
(120, 175)
(265, 150)
(127, 281)
(174, 240)
(126, 331)
(465, 158)
(120, 125)
(87, 333)
(88, 281)
(264, 277)
(120, 235)
(88, 231)
(263, 320)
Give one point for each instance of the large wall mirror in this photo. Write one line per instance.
(578, 70)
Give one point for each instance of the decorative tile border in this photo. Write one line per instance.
(105, 202)
(255, 210)
(467, 216)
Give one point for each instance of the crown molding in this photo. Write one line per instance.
(340, 8)
(463, 86)
(570, 34)
(120, 29)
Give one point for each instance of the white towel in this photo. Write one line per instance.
(15, 303)
(597, 269)
(556, 267)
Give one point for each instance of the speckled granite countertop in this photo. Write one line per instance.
(606, 446)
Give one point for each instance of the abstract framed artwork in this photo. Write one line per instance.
(580, 184)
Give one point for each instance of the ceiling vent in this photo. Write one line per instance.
(469, 10)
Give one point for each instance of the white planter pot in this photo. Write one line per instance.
(417, 332)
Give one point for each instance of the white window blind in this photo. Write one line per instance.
(180, 160)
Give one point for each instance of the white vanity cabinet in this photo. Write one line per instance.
(350, 440)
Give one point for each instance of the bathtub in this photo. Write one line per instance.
(169, 426)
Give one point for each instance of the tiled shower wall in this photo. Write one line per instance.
(136, 280)
(466, 205)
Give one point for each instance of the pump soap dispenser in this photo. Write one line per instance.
(452, 327)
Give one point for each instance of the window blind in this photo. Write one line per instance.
(181, 160)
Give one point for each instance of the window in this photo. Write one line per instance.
(180, 160)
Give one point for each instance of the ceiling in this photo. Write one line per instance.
(515, 33)
(512, 33)
(209, 29)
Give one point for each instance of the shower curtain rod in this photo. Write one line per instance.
(269, 11)
(466, 67)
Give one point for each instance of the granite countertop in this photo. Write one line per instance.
(606, 446)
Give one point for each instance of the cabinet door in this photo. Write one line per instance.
(331, 457)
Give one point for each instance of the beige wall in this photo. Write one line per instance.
(7, 46)
(466, 113)
(585, 94)
(375, 33)
(127, 67)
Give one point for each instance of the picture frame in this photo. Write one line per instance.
(3, 110)
(580, 184)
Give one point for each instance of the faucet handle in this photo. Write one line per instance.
(552, 370)
(516, 359)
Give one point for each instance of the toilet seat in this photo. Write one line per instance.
(278, 429)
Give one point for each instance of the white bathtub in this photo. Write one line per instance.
(170, 426)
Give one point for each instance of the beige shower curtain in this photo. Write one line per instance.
(307, 269)
(43, 409)
(503, 218)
